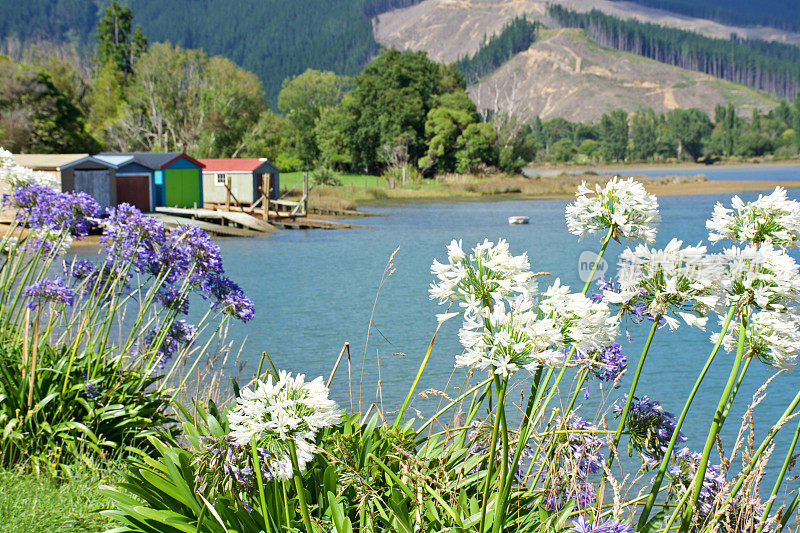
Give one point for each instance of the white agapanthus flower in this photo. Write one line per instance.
(764, 276)
(503, 327)
(523, 335)
(680, 280)
(16, 176)
(276, 412)
(489, 274)
(772, 336)
(622, 205)
(770, 219)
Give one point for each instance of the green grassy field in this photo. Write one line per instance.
(31, 503)
(294, 180)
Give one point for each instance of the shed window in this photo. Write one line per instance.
(221, 180)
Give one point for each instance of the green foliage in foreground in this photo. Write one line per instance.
(31, 502)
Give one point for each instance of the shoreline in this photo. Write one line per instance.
(659, 189)
(656, 165)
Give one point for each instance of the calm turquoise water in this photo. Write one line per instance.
(714, 173)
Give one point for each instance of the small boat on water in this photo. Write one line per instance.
(518, 220)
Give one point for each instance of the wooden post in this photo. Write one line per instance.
(305, 194)
(227, 192)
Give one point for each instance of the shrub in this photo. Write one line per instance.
(326, 176)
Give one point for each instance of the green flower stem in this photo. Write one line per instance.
(599, 256)
(262, 499)
(779, 481)
(747, 360)
(501, 396)
(523, 438)
(716, 425)
(454, 402)
(624, 416)
(417, 377)
(668, 453)
(298, 483)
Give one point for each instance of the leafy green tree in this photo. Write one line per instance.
(477, 145)
(443, 128)
(232, 100)
(302, 99)
(614, 135)
(691, 128)
(115, 44)
(590, 148)
(392, 98)
(331, 133)
(643, 135)
(266, 139)
(35, 116)
(727, 126)
(562, 151)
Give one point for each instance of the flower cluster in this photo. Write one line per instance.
(679, 280)
(179, 335)
(577, 456)
(623, 206)
(227, 468)
(609, 526)
(48, 290)
(185, 259)
(772, 336)
(504, 329)
(42, 208)
(763, 276)
(289, 409)
(650, 427)
(490, 274)
(607, 364)
(18, 176)
(78, 268)
(770, 219)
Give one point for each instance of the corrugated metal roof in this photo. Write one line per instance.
(46, 161)
(149, 159)
(116, 160)
(231, 165)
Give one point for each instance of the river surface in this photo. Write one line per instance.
(712, 172)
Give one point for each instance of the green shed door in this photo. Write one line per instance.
(182, 187)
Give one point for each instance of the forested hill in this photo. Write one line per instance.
(769, 66)
(273, 38)
(783, 14)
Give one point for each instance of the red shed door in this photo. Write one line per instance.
(134, 190)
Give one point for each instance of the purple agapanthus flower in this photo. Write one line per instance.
(609, 526)
(197, 252)
(43, 208)
(228, 297)
(603, 284)
(179, 335)
(607, 365)
(130, 237)
(79, 268)
(649, 425)
(48, 290)
(172, 298)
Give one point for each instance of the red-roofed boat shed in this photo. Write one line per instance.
(246, 178)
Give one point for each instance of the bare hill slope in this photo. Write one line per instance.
(450, 29)
(565, 73)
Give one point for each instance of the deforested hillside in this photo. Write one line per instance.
(566, 74)
(450, 29)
